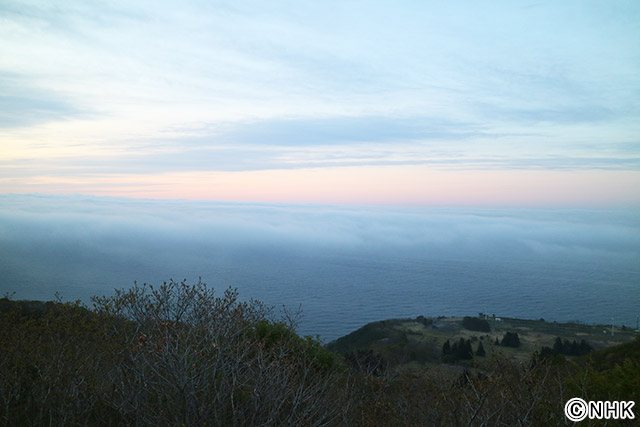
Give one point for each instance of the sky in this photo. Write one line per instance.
(512, 103)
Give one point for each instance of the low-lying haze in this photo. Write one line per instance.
(345, 265)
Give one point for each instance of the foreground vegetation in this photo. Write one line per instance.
(181, 355)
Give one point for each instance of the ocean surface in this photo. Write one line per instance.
(343, 266)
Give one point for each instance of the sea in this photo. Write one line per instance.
(338, 267)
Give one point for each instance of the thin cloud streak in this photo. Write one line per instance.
(402, 184)
(324, 226)
(141, 89)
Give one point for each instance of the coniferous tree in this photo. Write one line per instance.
(480, 350)
(574, 348)
(558, 347)
(446, 348)
(460, 349)
(585, 347)
(511, 339)
(463, 349)
(468, 350)
(570, 348)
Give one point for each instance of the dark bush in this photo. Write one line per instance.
(510, 339)
(476, 324)
(172, 355)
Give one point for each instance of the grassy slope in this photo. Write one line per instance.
(403, 340)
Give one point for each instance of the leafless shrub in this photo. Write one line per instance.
(194, 358)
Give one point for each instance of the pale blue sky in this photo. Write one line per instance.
(106, 97)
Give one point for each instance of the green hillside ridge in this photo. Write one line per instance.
(422, 339)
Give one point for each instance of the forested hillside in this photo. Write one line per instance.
(180, 355)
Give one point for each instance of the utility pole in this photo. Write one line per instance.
(612, 326)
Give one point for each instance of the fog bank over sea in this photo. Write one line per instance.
(346, 266)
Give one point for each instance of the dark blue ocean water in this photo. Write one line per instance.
(339, 294)
(344, 267)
